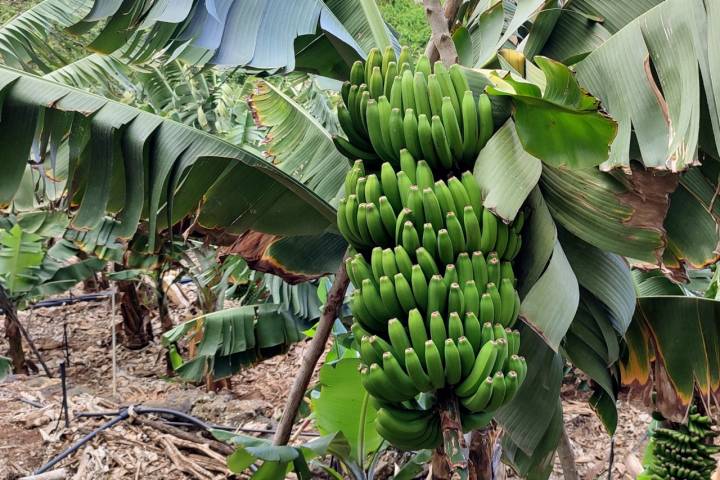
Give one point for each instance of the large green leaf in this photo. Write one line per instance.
(562, 126)
(342, 406)
(182, 164)
(296, 142)
(362, 23)
(21, 254)
(234, 338)
(264, 36)
(506, 173)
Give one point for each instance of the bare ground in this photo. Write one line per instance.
(30, 433)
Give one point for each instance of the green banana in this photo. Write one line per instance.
(418, 333)
(375, 130)
(408, 166)
(398, 337)
(498, 392)
(494, 293)
(423, 65)
(438, 332)
(385, 110)
(404, 185)
(464, 267)
(473, 233)
(426, 262)
(403, 261)
(373, 190)
(455, 326)
(395, 129)
(453, 365)
(435, 95)
(389, 267)
(368, 355)
(450, 276)
(375, 85)
(481, 397)
(351, 132)
(350, 272)
(404, 293)
(431, 208)
(502, 239)
(446, 85)
(377, 384)
(362, 315)
(387, 215)
(437, 295)
(410, 132)
(420, 91)
(457, 236)
(473, 191)
(442, 192)
(375, 225)
(376, 265)
(456, 299)
(424, 176)
(361, 102)
(415, 203)
(344, 227)
(440, 142)
(390, 79)
(467, 355)
(429, 239)
(410, 239)
(459, 81)
(415, 370)
(493, 267)
(473, 331)
(427, 145)
(389, 298)
(362, 223)
(357, 73)
(374, 59)
(407, 89)
(459, 195)
(484, 363)
(420, 286)
(445, 247)
(485, 120)
(362, 270)
(488, 332)
(489, 231)
(434, 365)
(506, 271)
(404, 56)
(480, 272)
(503, 352)
(470, 128)
(472, 297)
(350, 151)
(452, 128)
(387, 57)
(395, 93)
(372, 301)
(507, 301)
(397, 375)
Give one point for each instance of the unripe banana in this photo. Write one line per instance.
(472, 297)
(362, 224)
(426, 262)
(519, 222)
(473, 233)
(352, 152)
(361, 269)
(503, 354)
(502, 239)
(378, 385)
(372, 301)
(389, 298)
(385, 110)
(480, 272)
(485, 120)
(464, 267)
(408, 166)
(374, 59)
(390, 77)
(375, 225)
(410, 132)
(498, 392)
(395, 94)
(434, 365)
(355, 137)
(358, 331)
(420, 287)
(376, 263)
(489, 231)
(387, 215)
(374, 126)
(457, 236)
(456, 299)
(488, 332)
(467, 355)
(362, 315)
(499, 332)
(376, 83)
(425, 137)
(435, 95)
(446, 85)
(460, 196)
(361, 103)
(398, 338)
(389, 267)
(453, 365)
(507, 302)
(357, 73)
(397, 375)
(450, 276)
(418, 332)
(513, 338)
(405, 57)
(470, 128)
(440, 142)
(459, 81)
(455, 326)
(404, 293)
(431, 209)
(395, 129)
(475, 421)
(493, 266)
(484, 363)
(407, 88)
(494, 293)
(437, 295)
(513, 239)
(516, 310)
(429, 238)
(424, 175)
(506, 271)
(350, 272)
(410, 239)
(481, 397)
(473, 191)
(368, 355)
(423, 65)
(442, 192)
(415, 203)
(422, 103)
(438, 332)
(343, 226)
(345, 92)
(516, 364)
(445, 247)
(404, 185)
(472, 329)
(452, 128)
(416, 372)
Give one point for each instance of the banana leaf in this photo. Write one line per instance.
(21, 255)
(5, 367)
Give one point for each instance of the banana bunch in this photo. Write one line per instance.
(389, 105)
(684, 452)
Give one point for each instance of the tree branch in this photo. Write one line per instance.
(312, 355)
(441, 45)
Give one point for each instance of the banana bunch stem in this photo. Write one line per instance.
(453, 446)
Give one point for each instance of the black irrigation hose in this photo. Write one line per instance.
(122, 414)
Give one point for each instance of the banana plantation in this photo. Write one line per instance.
(287, 239)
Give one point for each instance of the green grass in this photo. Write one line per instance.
(11, 8)
(408, 19)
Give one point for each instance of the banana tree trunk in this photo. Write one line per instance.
(482, 444)
(137, 331)
(12, 333)
(450, 460)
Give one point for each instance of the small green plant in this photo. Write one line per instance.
(408, 19)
